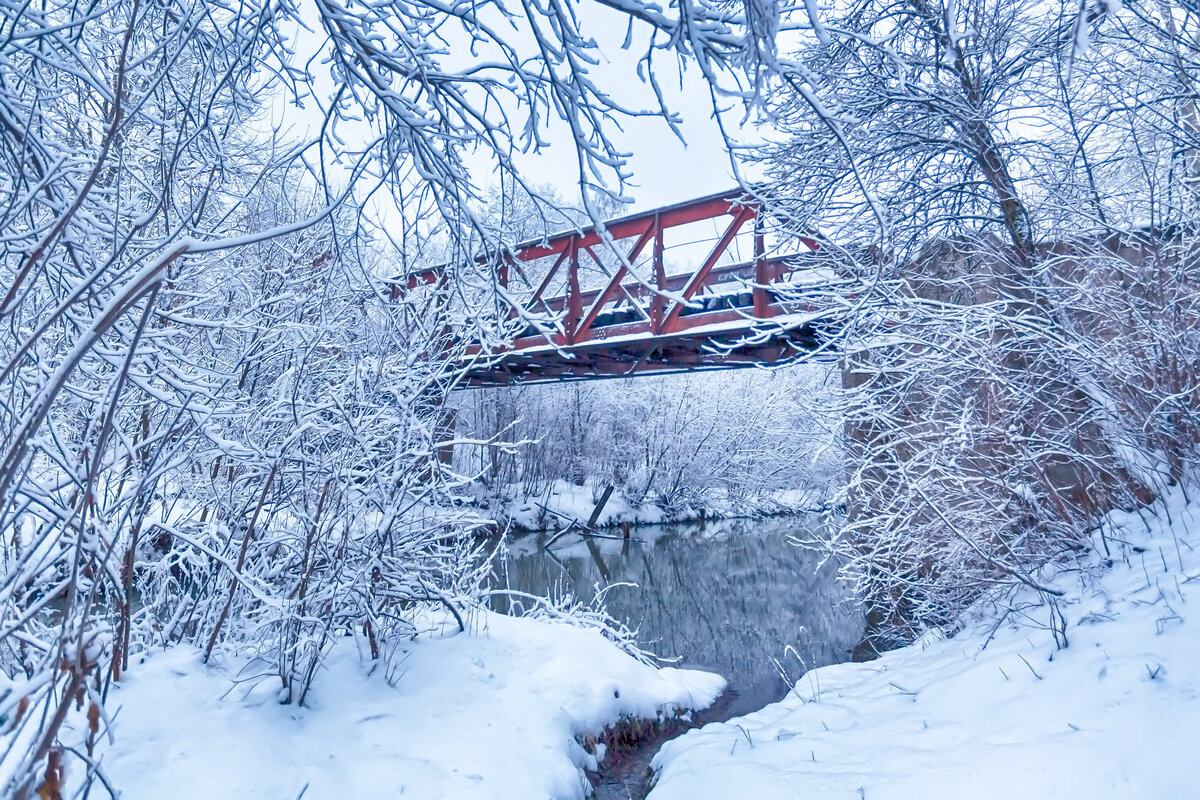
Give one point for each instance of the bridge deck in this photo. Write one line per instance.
(729, 344)
(638, 319)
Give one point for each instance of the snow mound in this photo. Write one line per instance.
(997, 711)
(492, 713)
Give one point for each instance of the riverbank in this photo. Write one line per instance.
(998, 710)
(736, 597)
(731, 596)
(508, 709)
(564, 504)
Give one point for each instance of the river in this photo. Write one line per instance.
(737, 597)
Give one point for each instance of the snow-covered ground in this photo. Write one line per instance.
(565, 503)
(496, 712)
(996, 711)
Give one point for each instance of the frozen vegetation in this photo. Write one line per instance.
(512, 708)
(708, 445)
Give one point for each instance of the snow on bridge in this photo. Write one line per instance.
(686, 287)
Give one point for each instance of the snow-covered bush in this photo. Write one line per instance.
(672, 440)
(1018, 321)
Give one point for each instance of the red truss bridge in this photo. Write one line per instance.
(682, 288)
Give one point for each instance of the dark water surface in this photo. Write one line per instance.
(725, 596)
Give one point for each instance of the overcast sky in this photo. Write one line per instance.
(665, 170)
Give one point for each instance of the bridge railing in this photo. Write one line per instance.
(636, 292)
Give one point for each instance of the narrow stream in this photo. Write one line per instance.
(725, 596)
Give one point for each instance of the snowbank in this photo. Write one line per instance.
(565, 503)
(1114, 715)
(493, 713)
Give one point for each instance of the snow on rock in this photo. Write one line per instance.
(1114, 715)
(493, 713)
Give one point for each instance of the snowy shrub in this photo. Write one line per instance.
(674, 439)
(1017, 319)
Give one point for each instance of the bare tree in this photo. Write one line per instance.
(994, 213)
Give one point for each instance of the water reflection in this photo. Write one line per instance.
(726, 596)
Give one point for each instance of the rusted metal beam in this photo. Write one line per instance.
(604, 296)
(701, 275)
(658, 303)
(761, 277)
(639, 358)
(598, 335)
(574, 301)
(669, 217)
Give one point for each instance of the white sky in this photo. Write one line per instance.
(665, 170)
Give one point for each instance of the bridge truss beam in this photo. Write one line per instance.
(650, 322)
